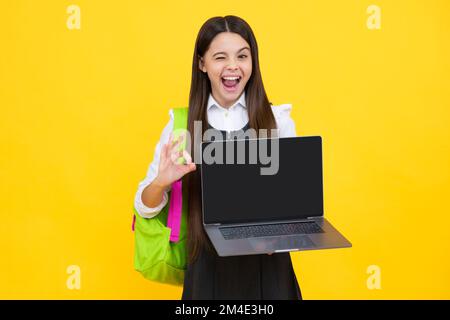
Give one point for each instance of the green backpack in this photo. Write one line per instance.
(160, 252)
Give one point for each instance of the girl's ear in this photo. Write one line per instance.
(201, 64)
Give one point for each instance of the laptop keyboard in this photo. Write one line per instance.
(267, 230)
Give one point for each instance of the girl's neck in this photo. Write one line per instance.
(225, 104)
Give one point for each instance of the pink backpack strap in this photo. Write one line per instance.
(134, 222)
(175, 206)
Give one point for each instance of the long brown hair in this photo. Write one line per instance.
(258, 107)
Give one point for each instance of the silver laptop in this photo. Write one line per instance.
(246, 212)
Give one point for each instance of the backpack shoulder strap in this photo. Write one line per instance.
(180, 118)
(180, 124)
(174, 218)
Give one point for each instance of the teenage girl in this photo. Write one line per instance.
(227, 94)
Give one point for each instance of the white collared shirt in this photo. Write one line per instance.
(231, 119)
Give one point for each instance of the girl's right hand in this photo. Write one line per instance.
(169, 170)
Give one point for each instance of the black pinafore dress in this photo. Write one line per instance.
(252, 277)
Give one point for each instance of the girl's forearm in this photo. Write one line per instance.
(152, 195)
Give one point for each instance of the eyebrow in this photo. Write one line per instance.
(226, 53)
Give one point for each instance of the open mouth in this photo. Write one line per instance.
(231, 83)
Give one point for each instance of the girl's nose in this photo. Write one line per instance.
(232, 66)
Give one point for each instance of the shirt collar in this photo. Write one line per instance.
(213, 102)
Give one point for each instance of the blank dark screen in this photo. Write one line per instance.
(234, 193)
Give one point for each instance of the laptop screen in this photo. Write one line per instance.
(235, 192)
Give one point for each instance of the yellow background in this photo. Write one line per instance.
(82, 110)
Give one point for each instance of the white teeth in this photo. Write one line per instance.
(231, 78)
